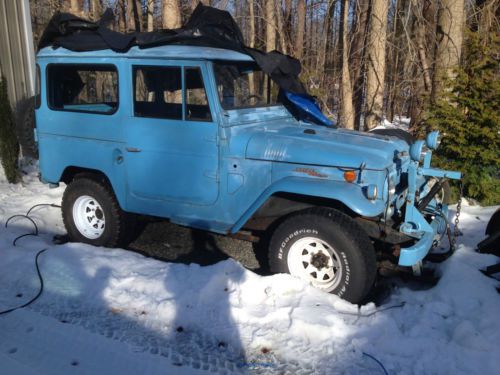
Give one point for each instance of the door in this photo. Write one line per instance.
(171, 151)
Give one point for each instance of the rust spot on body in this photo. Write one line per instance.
(310, 172)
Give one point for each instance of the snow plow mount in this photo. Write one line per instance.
(415, 224)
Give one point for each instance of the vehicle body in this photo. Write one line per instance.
(221, 167)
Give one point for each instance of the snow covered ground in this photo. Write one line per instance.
(115, 311)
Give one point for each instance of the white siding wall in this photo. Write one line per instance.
(17, 54)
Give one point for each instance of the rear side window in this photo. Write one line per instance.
(83, 88)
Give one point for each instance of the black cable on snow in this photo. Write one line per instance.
(37, 265)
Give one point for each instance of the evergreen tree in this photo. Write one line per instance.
(469, 116)
(9, 147)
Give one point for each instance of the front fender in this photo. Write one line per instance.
(349, 194)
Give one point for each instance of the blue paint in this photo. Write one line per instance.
(216, 174)
(308, 109)
(432, 140)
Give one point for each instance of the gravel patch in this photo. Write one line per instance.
(173, 243)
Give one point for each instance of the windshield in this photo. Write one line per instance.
(243, 85)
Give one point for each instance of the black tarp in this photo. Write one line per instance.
(209, 27)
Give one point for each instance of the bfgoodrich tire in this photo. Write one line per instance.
(92, 215)
(327, 249)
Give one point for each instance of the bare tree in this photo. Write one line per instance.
(270, 26)
(346, 109)
(420, 29)
(171, 13)
(451, 18)
(96, 9)
(281, 29)
(134, 15)
(301, 29)
(122, 20)
(75, 7)
(327, 31)
(357, 55)
(375, 76)
(150, 10)
(251, 42)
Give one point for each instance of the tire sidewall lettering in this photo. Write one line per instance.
(297, 233)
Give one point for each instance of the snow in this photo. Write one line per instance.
(115, 311)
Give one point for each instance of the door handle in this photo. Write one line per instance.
(133, 149)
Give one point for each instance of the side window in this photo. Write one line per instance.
(197, 108)
(38, 99)
(83, 88)
(158, 92)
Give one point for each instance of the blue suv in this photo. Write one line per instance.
(199, 135)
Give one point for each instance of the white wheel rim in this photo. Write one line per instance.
(88, 216)
(316, 262)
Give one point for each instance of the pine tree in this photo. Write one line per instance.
(469, 115)
(9, 147)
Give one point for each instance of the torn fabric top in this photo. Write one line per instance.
(209, 27)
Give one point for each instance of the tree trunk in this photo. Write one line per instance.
(150, 9)
(122, 21)
(376, 63)
(421, 43)
(288, 24)
(270, 26)
(251, 42)
(301, 28)
(449, 32)
(171, 14)
(76, 7)
(326, 36)
(96, 9)
(281, 30)
(360, 32)
(346, 110)
(134, 15)
(424, 31)
(194, 3)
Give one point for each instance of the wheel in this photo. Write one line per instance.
(399, 133)
(25, 126)
(327, 249)
(92, 215)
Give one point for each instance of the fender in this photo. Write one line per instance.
(349, 194)
(106, 158)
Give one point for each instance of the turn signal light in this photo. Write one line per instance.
(350, 176)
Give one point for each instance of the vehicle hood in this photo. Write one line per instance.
(317, 145)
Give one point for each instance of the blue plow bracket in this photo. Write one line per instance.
(415, 224)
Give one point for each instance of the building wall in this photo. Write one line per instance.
(17, 54)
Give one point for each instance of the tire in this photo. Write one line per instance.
(493, 225)
(398, 133)
(344, 248)
(25, 126)
(91, 213)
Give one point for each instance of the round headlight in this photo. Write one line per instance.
(433, 140)
(416, 150)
